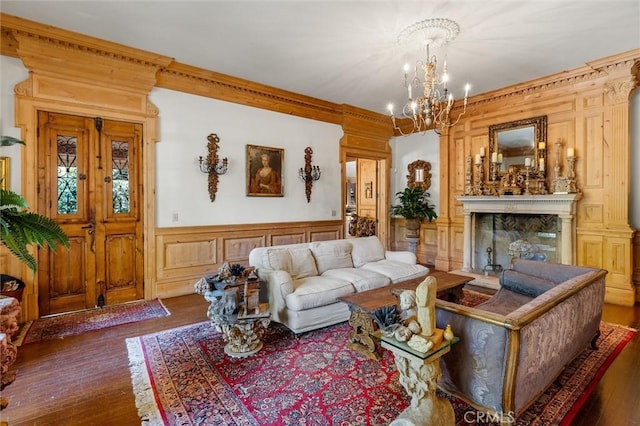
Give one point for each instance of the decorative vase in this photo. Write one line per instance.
(413, 228)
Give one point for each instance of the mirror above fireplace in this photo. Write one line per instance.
(517, 151)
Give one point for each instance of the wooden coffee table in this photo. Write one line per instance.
(362, 305)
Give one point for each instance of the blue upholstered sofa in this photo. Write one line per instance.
(513, 346)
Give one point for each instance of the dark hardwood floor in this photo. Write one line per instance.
(84, 379)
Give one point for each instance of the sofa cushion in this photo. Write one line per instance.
(396, 271)
(526, 284)
(362, 279)
(278, 259)
(365, 250)
(331, 255)
(315, 291)
(302, 263)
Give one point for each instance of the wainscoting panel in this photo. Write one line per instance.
(427, 247)
(186, 254)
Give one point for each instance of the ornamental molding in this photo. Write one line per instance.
(598, 69)
(619, 91)
(558, 204)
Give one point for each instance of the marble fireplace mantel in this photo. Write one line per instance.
(562, 205)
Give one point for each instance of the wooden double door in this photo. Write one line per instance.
(89, 182)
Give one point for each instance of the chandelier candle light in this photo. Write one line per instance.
(433, 108)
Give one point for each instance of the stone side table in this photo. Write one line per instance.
(419, 375)
(238, 313)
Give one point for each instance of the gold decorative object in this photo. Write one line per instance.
(419, 175)
(213, 167)
(517, 160)
(309, 173)
(564, 184)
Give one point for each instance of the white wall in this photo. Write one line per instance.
(407, 149)
(185, 122)
(12, 72)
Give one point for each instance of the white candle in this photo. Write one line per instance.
(542, 145)
(494, 157)
(570, 152)
(466, 90)
(527, 162)
(478, 159)
(409, 91)
(500, 158)
(482, 151)
(541, 164)
(390, 108)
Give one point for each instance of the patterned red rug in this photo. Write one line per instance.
(183, 377)
(61, 326)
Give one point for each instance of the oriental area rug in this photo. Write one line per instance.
(183, 377)
(64, 325)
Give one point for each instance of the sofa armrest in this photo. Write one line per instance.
(279, 284)
(401, 256)
(556, 326)
(475, 367)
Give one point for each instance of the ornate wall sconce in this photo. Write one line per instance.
(213, 167)
(309, 173)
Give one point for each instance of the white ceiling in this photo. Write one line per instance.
(346, 51)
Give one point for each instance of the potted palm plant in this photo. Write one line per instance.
(414, 206)
(20, 228)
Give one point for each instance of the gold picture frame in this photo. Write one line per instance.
(5, 172)
(264, 171)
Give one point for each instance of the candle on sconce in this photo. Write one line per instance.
(541, 164)
(570, 152)
(478, 160)
(542, 145)
(527, 162)
(482, 151)
(494, 157)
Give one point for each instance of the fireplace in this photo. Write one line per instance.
(497, 229)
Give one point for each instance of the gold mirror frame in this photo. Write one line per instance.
(512, 178)
(419, 175)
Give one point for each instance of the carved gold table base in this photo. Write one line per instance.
(360, 337)
(419, 375)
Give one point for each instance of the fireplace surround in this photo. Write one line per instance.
(534, 226)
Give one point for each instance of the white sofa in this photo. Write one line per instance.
(305, 280)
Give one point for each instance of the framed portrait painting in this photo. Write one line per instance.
(264, 171)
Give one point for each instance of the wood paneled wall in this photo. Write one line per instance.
(427, 248)
(186, 254)
(113, 81)
(588, 110)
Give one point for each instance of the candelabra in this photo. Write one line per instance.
(468, 187)
(526, 179)
(309, 173)
(478, 178)
(213, 167)
(494, 168)
(564, 184)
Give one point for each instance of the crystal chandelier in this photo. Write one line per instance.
(433, 107)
